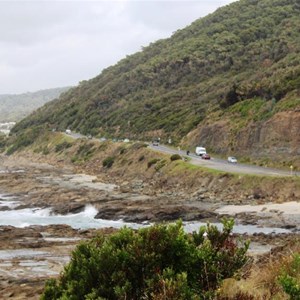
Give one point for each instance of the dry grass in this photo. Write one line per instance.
(261, 282)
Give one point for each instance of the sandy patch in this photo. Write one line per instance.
(288, 208)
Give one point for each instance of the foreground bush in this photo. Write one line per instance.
(159, 262)
(290, 277)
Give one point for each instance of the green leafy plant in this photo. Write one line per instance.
(290, 278)
(84, 152)
(141, 158)
(108, 162)
(160, 164)
(175, 157)
(62, 146)
(25, 139)
(3, 142)
(152, 162)
(150, 263)
(123, 150)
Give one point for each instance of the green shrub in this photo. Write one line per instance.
(138, 145)
(74, 159)
(142, 157)
(3, 141)
(158, 262)
(85, 148)
(44, 150)
(123, 150)
(25, 139)
(160, 164)
(290, 278)
(175, 157)
(108, 162)
(62, 146)
(152, 162)
(103, 146)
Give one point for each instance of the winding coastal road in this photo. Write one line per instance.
(223, 165)
(215, 163)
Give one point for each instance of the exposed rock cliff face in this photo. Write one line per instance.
(279, 135)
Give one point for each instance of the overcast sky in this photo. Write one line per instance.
(47, 44)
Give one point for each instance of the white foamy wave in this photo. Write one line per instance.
(45, 212)
(90, 211)
(10, 204)
(86, 219)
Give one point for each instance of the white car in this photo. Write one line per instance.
(200, 151)
(232, 159)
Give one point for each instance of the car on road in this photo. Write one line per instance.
(205, 156)
(155, 143)
(232, 159)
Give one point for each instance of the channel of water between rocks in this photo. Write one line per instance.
(86, 219)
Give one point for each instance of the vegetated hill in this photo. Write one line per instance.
(15, 107)
(229, 81)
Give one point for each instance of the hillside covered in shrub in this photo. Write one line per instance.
(230, 81)
(15, 107)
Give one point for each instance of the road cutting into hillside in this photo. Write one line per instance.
(216, 163)
(223, 165)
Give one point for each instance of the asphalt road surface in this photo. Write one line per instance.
(223, 165)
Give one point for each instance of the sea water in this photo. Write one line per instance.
(86, 219)
(37, 216)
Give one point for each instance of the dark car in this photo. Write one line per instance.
(205, 156)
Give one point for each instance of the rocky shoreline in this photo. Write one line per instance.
(30, 255)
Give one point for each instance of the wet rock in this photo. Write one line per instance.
(108, 213)
(288, 226)
(68, 208)
(4, 208)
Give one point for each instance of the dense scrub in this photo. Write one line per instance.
(246, 52)
(159, 262)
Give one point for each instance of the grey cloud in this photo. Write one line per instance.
(47, 44)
